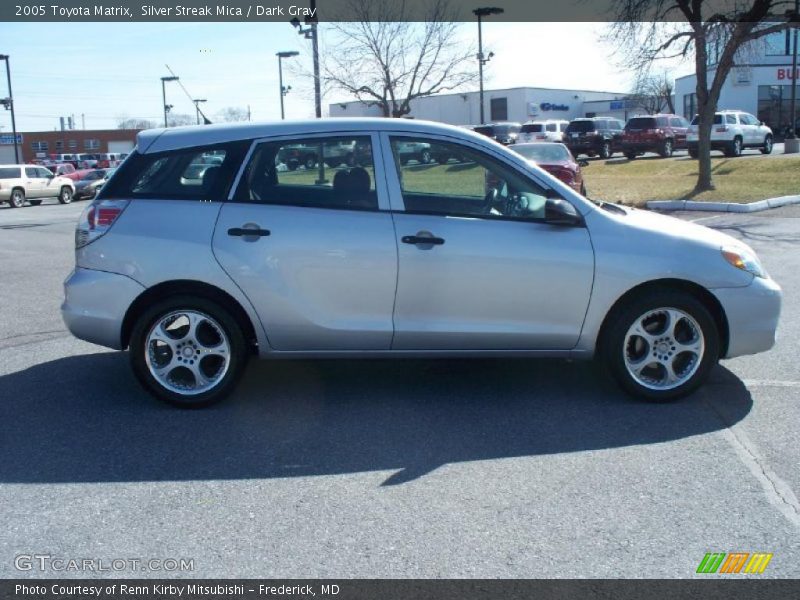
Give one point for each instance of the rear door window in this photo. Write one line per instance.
(729, 119)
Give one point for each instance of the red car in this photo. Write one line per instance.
(557, 160)
(654, 133)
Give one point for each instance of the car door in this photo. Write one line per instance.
(480, 267)
(313, 249)
(679, 127)
(35, 184)
(51, 185)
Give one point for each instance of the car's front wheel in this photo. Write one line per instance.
(65, 195)
(767, 147)
(666, 149)
(661, 346)
(605, 150)
(188, 352)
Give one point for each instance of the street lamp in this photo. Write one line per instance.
(197, 102)
(284, 90)
(482, 60)
(310, 33)
(9, 105)
(167, 107)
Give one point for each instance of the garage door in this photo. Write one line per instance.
(7, 155)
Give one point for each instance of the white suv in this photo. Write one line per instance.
(733, 131)
(19, 183)
(542, 131)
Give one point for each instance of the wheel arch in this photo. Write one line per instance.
(696, 290)
(200, 289)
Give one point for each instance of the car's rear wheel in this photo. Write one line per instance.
(630, 155)
(442, 160)
(425, 157)
(188, 352)
(35, 202)
(767, 147)
(661, 346)
(734, 148)
(666, 149)
(310, 162)
(17, 199)
(693, 152)
(65, 195)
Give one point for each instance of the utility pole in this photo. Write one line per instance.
(9, 103)
(284, 90)
(167, 107)
(197, 102)
(482, 60)
(311, 33)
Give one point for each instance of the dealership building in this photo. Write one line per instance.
(514, 104)
(761, 84)
(38, 144)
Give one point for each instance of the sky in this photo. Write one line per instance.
(111, 71)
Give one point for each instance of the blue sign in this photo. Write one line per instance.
(549, 106)
(7, 139)
(617, 104)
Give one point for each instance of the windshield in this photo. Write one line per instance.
(533, 128)
(580, 126)
(544, 153)
(641, 123)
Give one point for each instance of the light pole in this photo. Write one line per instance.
(9, 104)
(482, 60)
(164, 80)
(197, 102)
(284, 90)
(310, 33)
(793, 145)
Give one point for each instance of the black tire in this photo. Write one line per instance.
(767, 147)
(442, 160)
(613, 349)
(333, 163)
(425, 157)
(293, 164)
(350, 160)
(666, 149)
(138, 357)
(310, 162)
(583, 189)
(693, 152)
(605, 150)
(65, 195)
(17, 199)
(34, 202)
(734, 149)
(630, 155)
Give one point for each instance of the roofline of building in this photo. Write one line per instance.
(521, 87)
(77, 131)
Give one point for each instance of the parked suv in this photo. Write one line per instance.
(542, 131)
(489, 257)
(32, 183)
(505, 133)
(654, 133)
(344, 152)
(594, 136)
(732, 132)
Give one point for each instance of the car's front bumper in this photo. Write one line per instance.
(752, 313)
(95, 303)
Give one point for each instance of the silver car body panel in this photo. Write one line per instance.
(331, 282)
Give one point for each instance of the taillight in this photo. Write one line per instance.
(565, 175)
(96, 219)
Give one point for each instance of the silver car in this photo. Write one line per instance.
(490, 256)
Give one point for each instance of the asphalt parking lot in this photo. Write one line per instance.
(471, 468)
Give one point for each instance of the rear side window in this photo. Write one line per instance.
(717, 119)
(330, 172)
(662, 122)
(552, 127)
(10, 173)
(730, 119)
(199, 173)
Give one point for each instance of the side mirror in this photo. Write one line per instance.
(560, 212)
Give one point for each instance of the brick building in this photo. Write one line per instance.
(37, 144)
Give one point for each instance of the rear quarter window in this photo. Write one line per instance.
(10, 173)
(198, 173)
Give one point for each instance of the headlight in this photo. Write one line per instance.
(743, 259)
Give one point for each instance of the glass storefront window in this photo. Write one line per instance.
(774, 106)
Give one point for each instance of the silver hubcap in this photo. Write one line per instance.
(663, 348)
(187, 352)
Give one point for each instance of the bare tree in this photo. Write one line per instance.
(233, 113)
(653, 93)
(385, 60)
(650, 30)
(135, 123)
(177, 119)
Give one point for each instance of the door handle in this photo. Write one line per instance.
(246, 231)
(422, 239)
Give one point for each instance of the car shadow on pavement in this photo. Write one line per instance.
(85, 419)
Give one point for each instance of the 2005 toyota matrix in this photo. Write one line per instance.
(204, 249)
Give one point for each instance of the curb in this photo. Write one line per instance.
(734, 207)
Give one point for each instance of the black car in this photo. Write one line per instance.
(596, 136)
(505, 133)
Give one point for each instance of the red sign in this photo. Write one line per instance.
(787, 74)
